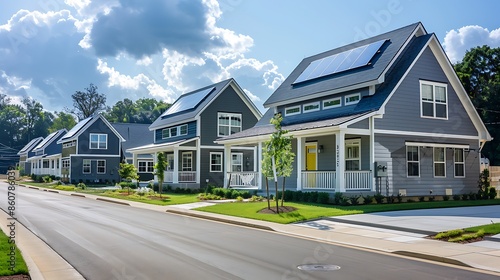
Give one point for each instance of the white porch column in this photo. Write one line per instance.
(372, 150)
(155, 156)
(134, 160)
(259, 164)
(175, 176)
(198, 161)
(340, 159)
(300, 160)
(227, 163)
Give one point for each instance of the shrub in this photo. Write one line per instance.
(289, 195)
(391, 199)
(492, 193)
(379, 198)
(255, 198)
(446, 198)
(47, 179)
(456, 197)
(218, 191)
(323, 197)
(472, 196)
(338, 198)
(431, 198)
(367, 199)
(483, 183)
(354, 200)
(128, 185)
(421, 199)
(81, 186)
(313, 197)
(409, 200)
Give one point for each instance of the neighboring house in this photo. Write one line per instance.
(91, 152)
(385, 114)
(186, 134)
(25, 153)
(47, 155)
(137, 135)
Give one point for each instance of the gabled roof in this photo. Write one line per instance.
(135, 135)
(49, 139)
(190, 105)
(80, 127)
(28, 147)
(374, 73)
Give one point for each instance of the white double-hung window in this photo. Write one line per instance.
(228, 123)
(433, 100)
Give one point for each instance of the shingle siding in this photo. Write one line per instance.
(111, 174)
(402, 112)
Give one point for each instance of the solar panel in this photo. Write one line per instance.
(188, 101)
(76, 128)
(340, 62)
(47, 139)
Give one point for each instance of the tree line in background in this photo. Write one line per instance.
(479, 72)
(20, 123)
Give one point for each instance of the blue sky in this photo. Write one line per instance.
(160, 49)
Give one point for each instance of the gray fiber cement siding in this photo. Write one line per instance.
(402, 112)
(392, 149)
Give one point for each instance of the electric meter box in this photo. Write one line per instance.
(380, 169)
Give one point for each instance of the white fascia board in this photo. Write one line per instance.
(438, 145)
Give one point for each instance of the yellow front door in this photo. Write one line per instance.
(311, 165)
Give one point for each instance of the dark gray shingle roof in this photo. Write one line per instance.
(135, 135)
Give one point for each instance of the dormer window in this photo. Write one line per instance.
(332, 103)
(311, 107)
(290, 111)
(352, 98)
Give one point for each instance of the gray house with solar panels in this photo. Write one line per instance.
(186, 132)
(386, 114)
(91, 152)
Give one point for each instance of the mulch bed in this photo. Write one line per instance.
(16, 277)
(282, 209)
(461, 242)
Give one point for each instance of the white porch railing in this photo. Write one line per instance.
(319, 180)
(326, 180)
(358, 180)
(187, 176)
(247, 179)
(168, 176)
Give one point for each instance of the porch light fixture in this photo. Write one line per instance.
(320, 149)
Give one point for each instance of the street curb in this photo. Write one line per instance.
(431, 258)
(76, 194)
(112, 201)
(53, 191)
(239, 223)
(359, 223)
(35, 188)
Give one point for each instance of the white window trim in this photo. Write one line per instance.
(346, 102)
(332, 106)
(180, 130)
(439, 162)
(89, 165)
(408, 161)
(293, 107)
(170, 157)
(98, 141)
(211, 164)
(240, 155)
(311, 104)
(230, 115)
(190, 162)
(97, 166)
(147, 164)
(353, 143)
(462, 163)
(433, 84)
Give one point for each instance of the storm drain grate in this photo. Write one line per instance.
(318, 267)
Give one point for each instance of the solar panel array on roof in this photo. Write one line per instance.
(47, 139)
(340, 62)
(187, 102)
(76, 128)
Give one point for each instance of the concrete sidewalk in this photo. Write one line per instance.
(374, 236)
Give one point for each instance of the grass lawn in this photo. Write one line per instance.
(5, 268)
(469, 234)
(307, 211)
(173, 198)
(487, 229)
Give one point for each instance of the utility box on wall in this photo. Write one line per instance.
(380, 169)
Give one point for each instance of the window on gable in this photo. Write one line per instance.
(229, 123)
(98, 141)
(332, 103)
(413, 161)
(86, 166)
(311, 107)
(290, 111)
(101, 166)
(352, 98)
(216, 162)
(434, 100)
(439, 162)
(459, 163)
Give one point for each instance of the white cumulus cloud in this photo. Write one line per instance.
(457, 42)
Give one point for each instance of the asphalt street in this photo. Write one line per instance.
(109, 241)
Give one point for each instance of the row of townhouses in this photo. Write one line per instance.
(386, 114)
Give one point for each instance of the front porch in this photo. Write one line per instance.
(327, 180)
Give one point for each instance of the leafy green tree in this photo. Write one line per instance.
(62, 120)
(479, 72)
(36, 121)
(144, 110)
(11, 124)
(160, 167)
(128, 172)
(122, 111)
(280, 156)
(87, 103)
